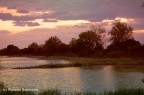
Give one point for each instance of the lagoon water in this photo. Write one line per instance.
(93, 79)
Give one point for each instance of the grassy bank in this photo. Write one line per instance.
(57, 92)
(82, 62)
(5, 91)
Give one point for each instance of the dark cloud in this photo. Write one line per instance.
(93, 10)
(25, 23)
(25, 18)
(23, 11)
(59, 15)
(12, 7)
(49, 20)
(142, 4)
(6, 16)
(86, 9)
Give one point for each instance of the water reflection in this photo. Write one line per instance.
(12, 62)
(109, 74)
(94, 79)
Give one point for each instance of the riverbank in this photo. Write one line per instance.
(84, 62)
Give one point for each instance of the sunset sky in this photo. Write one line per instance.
(25, 21)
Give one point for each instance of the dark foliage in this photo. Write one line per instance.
(120, 32)
(89, 42)
(10, 50)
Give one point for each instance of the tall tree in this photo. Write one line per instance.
(73, 45)
(33, 45)
(120, 32)
(12, 50)
(89, 42)
(52, 45)
(33, 48)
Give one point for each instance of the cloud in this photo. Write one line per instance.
(23, 11)
(93, 10)
(50, 20)
(80, 9)
(25, 23)
(6, 16)
(9, 16)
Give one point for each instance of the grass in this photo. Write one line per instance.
(143, 80)
(16, 93)
(126, 92)
(81, 62)
(1, 86)
(57, 92)
(85, 93)
(51, 92)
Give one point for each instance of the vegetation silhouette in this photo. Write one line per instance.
(120, 32)
(5, 91)
(89, 44)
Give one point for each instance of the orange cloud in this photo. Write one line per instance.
(139, 32)
(11, 11)
(126, 20)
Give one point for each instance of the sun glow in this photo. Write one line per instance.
(71, 22)
(8, 25)
(126, 20)
(139, 31)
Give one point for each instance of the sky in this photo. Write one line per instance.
(25, 21)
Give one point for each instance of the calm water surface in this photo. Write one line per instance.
(11, 62)
(94, 79)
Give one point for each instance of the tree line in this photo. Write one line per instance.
(89, 44)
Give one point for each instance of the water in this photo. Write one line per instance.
(12, 62)
(94, 79)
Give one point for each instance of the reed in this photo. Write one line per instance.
(58, 92)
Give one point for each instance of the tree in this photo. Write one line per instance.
(33, 45)
(52, 45)
(127, 48)
(33, 48)
(127, 45)
(12, 50)
(89, 42)
(3, 51)
(63, 48)
(120, 32)
(73, 45)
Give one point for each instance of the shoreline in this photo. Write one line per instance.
(83, 62)
(86, 62)
(69, 66)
